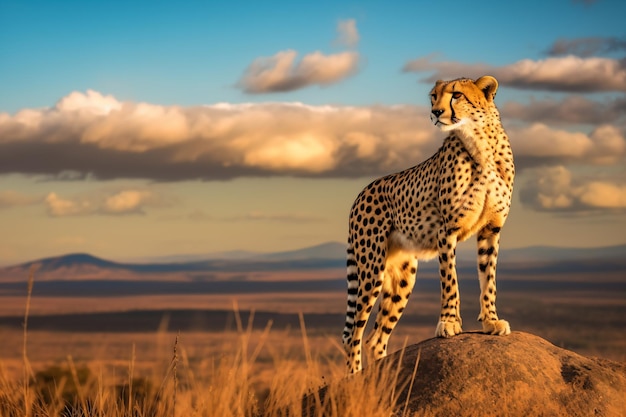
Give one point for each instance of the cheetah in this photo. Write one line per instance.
(421, 213)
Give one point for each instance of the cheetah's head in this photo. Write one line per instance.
(461, 103)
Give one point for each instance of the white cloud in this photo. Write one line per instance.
(557, 189)
(604, 146)
(221, 141)
(280, 73)
(347, 33)
(140, 140)
(91, 101)
(539, 140)
(60, 207)
(292, 152)
(127, 201)
(603, 195)
(117, 203)
(568, 73)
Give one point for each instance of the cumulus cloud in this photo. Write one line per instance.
(538, 143)
(557, 189)
(568, 73)
(586, 47)
(280, 73)
(118, 203)
(60, 207)
(347, 33)
(223, 141)
(127, 201)
(572, 109)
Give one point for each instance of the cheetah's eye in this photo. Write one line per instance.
(456, 95)
(433, 97)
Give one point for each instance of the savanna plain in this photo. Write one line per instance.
(255, 343)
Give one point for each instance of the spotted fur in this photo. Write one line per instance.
(421, 213)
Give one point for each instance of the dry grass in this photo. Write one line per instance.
(248, 372)
(251, 374)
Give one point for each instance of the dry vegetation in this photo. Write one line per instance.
(250, 371)
(250, 374)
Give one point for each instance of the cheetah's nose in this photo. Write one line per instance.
(437, 113)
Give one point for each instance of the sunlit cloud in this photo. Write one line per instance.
(603, 146)
(568, 73)
(215, 142)
(118, 203)
(281, 72)
(61, 207)
(223, 141)
(557, 189)
(127, 201)
(89, 102)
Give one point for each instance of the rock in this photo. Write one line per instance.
(474, 374)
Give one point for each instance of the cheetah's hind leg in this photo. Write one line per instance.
(399, 279)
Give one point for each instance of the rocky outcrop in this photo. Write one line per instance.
(474, 374)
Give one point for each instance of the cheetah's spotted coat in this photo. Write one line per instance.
(463, 189)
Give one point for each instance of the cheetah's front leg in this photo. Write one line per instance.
(488, 244)
(450, 318)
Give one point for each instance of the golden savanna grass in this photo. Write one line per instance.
(250, 371)
(252, 374)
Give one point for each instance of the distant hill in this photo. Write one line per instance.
(329, 250)
(549, 253)
(84, 266)
(70, 261)
(466, 253)
(324, 256)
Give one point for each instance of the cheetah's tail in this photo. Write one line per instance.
(353, 289)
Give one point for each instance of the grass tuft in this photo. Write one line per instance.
(253, 377)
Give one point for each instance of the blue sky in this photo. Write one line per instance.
(139, 129)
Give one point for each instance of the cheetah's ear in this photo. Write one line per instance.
(488, 85)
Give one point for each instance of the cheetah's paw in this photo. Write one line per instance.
(448, 328)
(497, 327)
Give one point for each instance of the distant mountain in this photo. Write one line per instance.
(328, 250)
(85, 266)
(81, 266)
(467, 253)
(550, 254)
(70, 261)
(195, 257)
